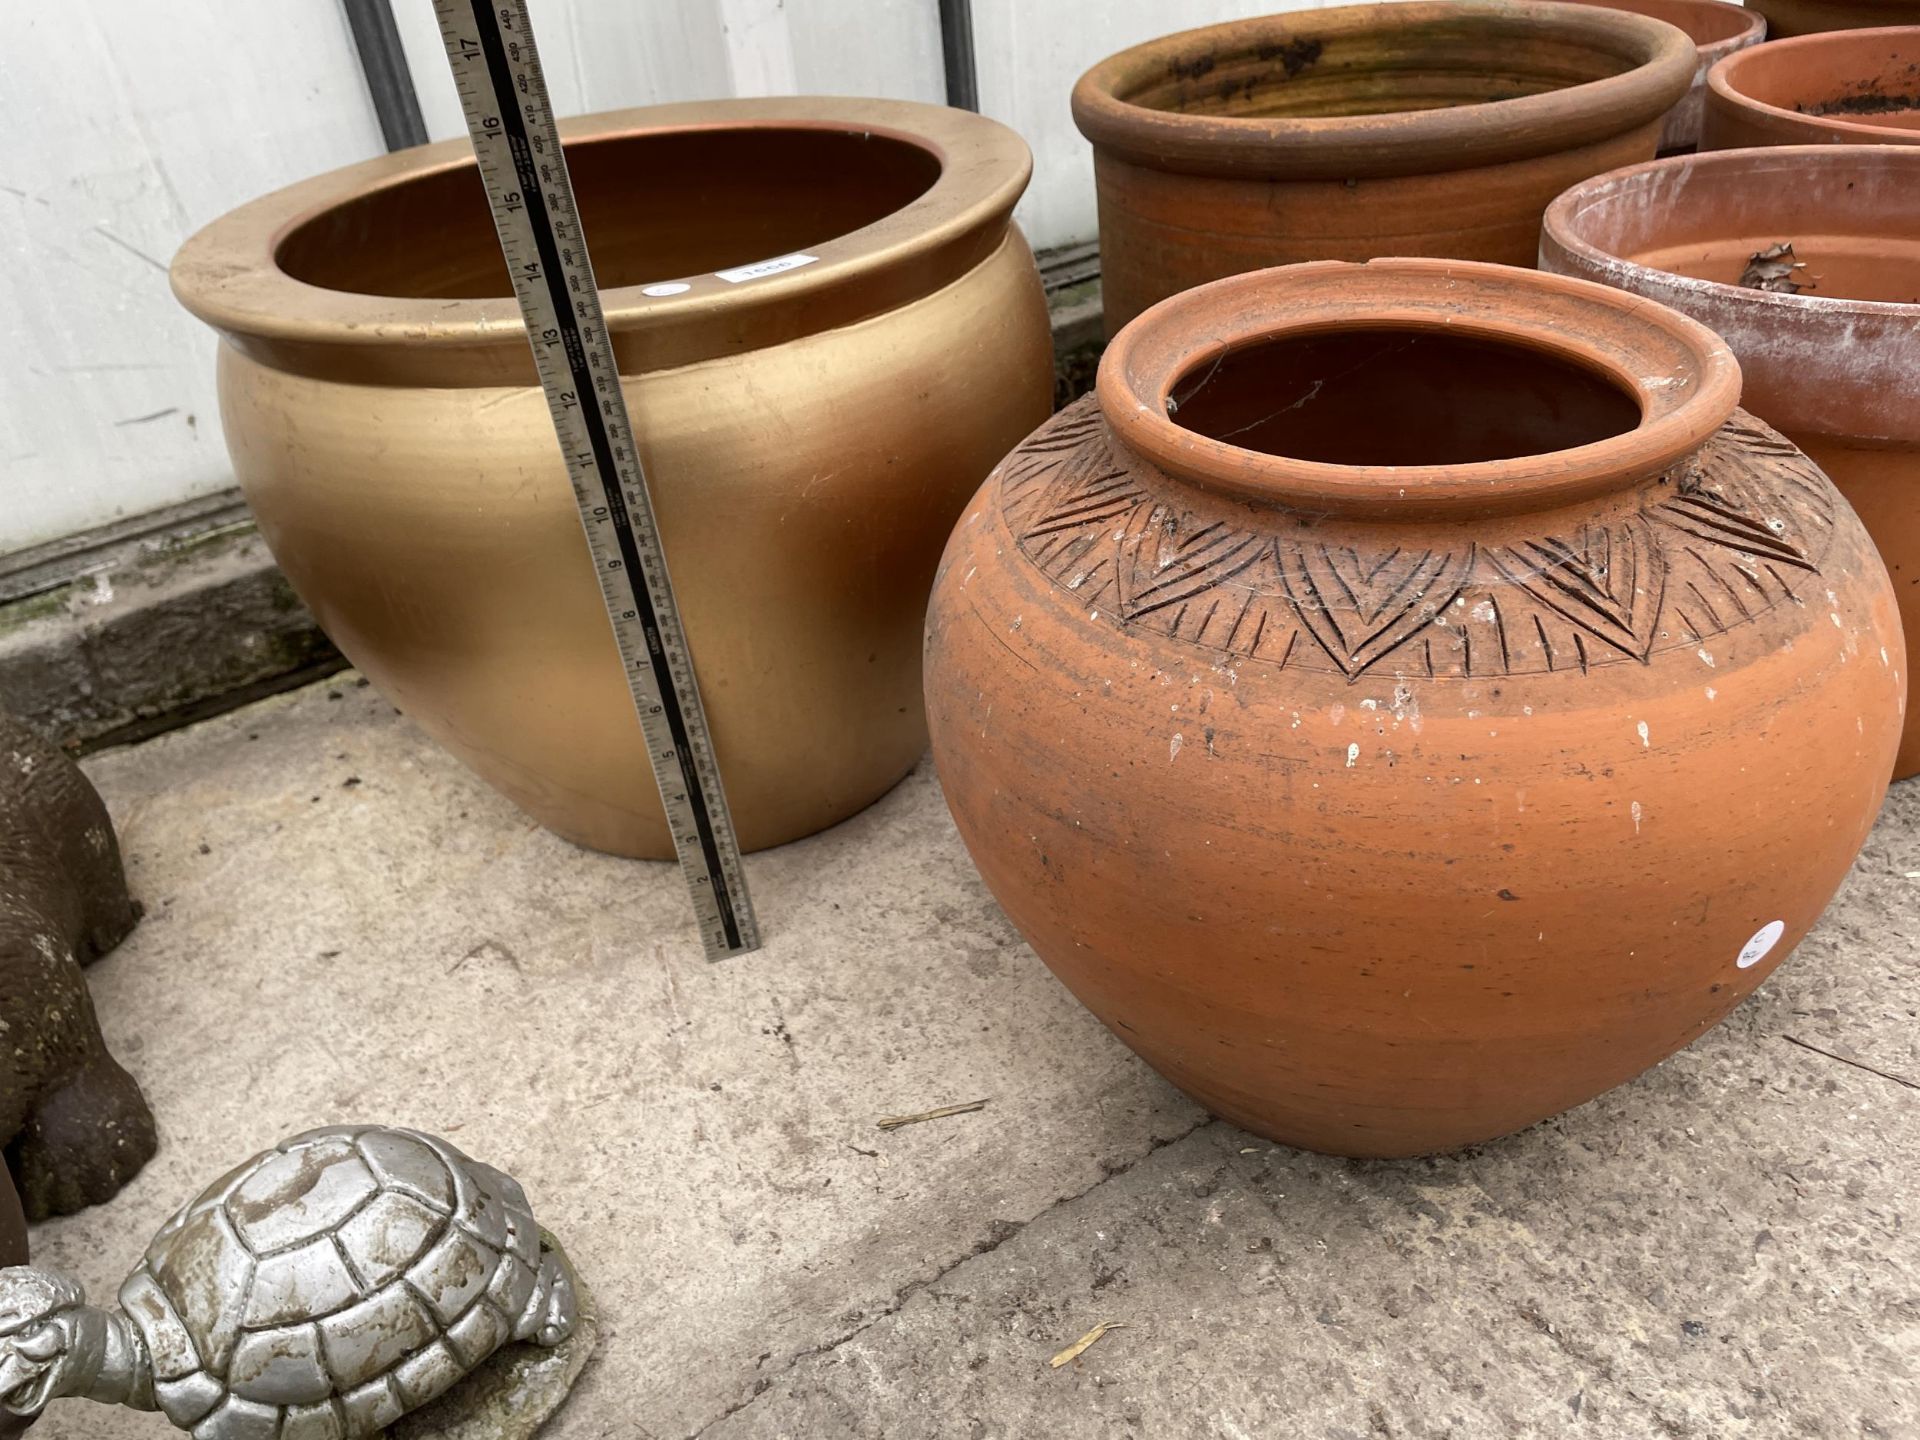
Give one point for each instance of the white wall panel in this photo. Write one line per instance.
(889, 48)
(132, 123)
(129, 124)
(606, 54)
(598, 55)
(1029, 54)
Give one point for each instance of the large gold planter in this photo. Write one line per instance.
(810, 434)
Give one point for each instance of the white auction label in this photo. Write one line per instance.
(760, 269)
(666, 287)
(1764, 939)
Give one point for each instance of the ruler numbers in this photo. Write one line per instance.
(496, 69)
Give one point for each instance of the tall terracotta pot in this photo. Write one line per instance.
(1835, 367)
(1403, 129)
(1717, 30)
(1411, 698)
(1853, 87)
(1807, 17)
(828, 330)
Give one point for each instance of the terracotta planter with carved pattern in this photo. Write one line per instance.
(1411, 698)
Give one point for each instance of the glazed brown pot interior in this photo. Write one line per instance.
(738, 195)
(1455, 399)
(1442, 66)
(1326, 94)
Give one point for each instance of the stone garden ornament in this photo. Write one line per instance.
(320, 1291)
(73, 1122)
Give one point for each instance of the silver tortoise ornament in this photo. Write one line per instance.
(320, 1291)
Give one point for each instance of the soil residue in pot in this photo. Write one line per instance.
(1869, 104)
(1294, 56)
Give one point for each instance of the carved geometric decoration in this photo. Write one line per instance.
(1611, 581)
(1360, 608)
(1716, 544)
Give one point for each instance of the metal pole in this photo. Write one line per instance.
(384, 63)
(956, 48)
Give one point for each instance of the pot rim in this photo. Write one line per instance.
(1560, 225)
(1817, 365)
(229, 274)
(1683, 376)
(1664, 60)
(1721, 78)
(1753, 24)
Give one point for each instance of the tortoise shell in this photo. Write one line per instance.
(330, 1285)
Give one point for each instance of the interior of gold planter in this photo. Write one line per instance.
(654, 206)
(1399, 397)
(1303, 74)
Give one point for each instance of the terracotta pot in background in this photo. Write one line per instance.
(1806, 17)
(1717, 29)
(810, 429)
(1389, 787)
(1854, 87)
(1416, 129)
(1836, 367)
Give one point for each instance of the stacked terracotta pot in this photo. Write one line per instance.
(1409, 698)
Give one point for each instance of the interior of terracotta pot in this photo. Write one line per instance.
(1429, 66)
(655, 206)
(1855, 230)
(1399, 397)
(1875, 82)
(1705, 24)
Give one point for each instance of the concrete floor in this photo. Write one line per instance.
(343, 924)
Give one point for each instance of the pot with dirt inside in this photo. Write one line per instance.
(1851, 87)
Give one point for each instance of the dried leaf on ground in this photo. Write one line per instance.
(894, 1122)
(1080, 1346)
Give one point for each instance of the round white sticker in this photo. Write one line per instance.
(1764, 939)
(671, 287)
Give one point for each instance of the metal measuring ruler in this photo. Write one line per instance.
(504, 94)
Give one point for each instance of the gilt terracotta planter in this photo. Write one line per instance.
(1853, 87)
(828, 330)
(1717, 29)
(1836, 366)
(1402, 129)
(1808, 17)
(1411, 698)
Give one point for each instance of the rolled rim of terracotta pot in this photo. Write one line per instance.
(1716, 26)
(1865, 53)
(1681, 376)
(1630, 72)
(1815, 341)
(263, 274)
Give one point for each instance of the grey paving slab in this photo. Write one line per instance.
(344, 925)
